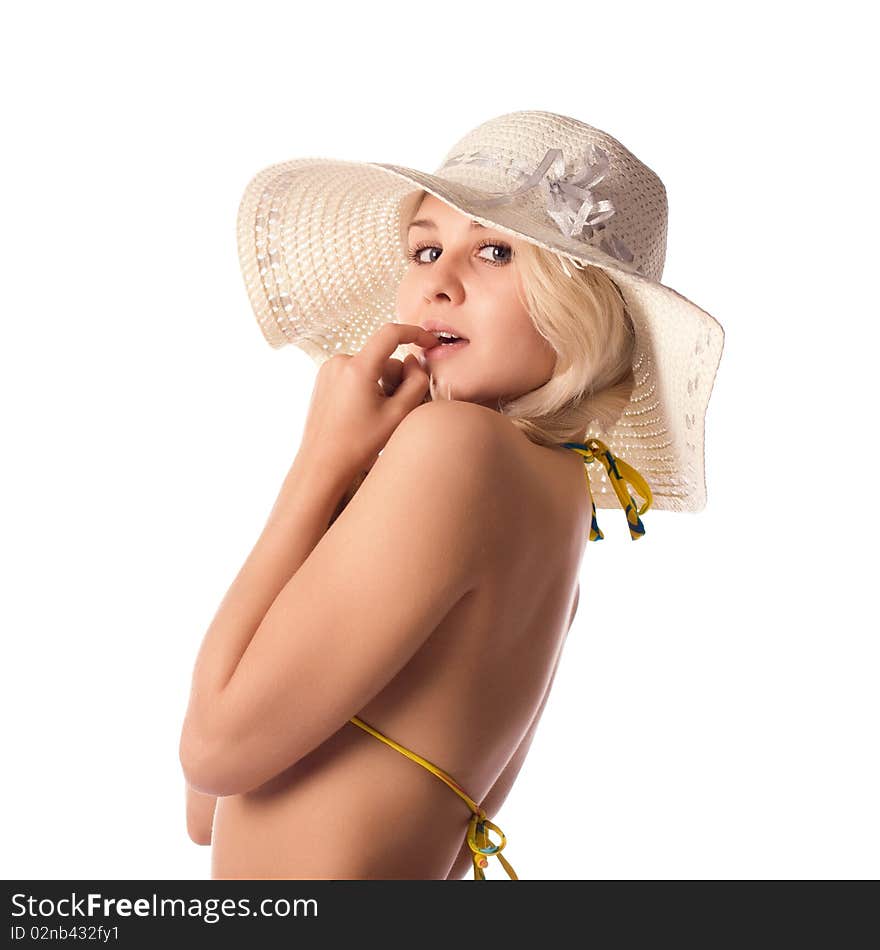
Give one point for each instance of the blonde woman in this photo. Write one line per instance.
(371, 684)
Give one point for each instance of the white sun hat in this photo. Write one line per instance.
(323, 248)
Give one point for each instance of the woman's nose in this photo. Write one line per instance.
(445, 286)
(444, 279)
(435, 294)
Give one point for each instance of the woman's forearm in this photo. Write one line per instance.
(299, 518)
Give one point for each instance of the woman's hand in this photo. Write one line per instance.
(358, 401)
(199, 815)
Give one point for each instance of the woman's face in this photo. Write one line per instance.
(464, 276)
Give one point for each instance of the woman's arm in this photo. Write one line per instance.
(372, 591)
(306, 505)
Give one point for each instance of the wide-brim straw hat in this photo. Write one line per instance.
(323, 249)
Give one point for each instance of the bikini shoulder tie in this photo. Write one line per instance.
(619, 473)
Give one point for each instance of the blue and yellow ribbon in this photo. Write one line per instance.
(478, 827)
(619, 473)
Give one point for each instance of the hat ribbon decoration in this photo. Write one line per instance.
(619, 473)
(570, 201)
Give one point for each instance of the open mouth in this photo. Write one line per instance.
(446, 340)
(445, 349)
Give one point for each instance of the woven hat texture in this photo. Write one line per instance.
(322, 247)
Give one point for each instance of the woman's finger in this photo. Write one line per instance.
(413, 386)
(392, 376)
(379, 347)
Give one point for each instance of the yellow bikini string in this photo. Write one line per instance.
(477, 833)
(619, 472)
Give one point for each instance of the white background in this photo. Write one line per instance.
(715, 714)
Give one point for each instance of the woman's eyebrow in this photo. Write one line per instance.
(428, 223)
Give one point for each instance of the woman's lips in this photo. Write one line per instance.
(437, 352)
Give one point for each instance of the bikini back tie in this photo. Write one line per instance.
(619, 473)
(478, 828)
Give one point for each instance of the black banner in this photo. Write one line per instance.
(408, 913)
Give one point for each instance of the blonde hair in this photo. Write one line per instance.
(581, 313)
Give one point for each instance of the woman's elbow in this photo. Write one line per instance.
(210, 771)
(198, 765)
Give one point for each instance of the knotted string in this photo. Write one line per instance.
(619, 473)
(477, 834)
(479, 843)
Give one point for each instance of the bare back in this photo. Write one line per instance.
(354, 808)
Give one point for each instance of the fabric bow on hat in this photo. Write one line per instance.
(570, 201)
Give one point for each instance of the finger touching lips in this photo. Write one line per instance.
(379, 347)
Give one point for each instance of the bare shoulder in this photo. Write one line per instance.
(454, 436)
(448, 448)
(447, 459)
(518, 474)
(454, 413)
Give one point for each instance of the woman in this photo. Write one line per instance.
(418, 573)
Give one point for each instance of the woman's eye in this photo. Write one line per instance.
(492, 247)
(416, 254)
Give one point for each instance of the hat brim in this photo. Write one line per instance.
(323, 250)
